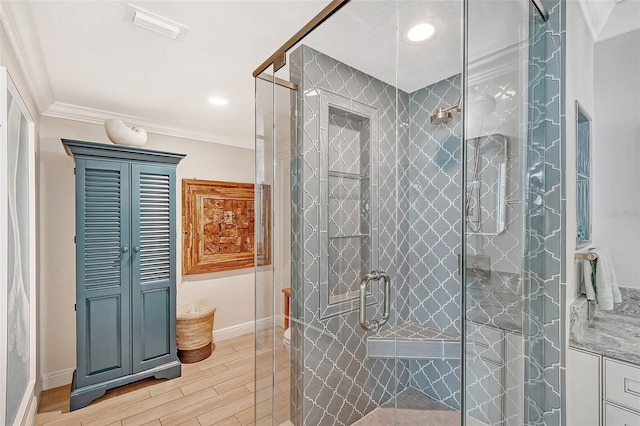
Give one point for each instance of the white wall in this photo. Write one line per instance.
(579, 87)
(232, 292)
(616, 154)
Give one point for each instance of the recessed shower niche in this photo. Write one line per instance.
(348, 146)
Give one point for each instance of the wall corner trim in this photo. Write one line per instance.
(98, 116)
(32, 409)
(594, 19)
(17, 19)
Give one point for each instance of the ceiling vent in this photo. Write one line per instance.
(156, 23)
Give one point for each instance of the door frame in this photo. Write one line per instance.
(28, 402)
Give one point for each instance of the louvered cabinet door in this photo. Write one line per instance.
(103, 271)
(153, 268)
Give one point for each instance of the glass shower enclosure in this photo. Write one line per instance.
(407, 193)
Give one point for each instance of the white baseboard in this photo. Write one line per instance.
(242, 329)
(57, 379)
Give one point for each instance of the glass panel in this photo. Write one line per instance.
(372, 168)
(496, 123)
(513, 277)
(338, 229)
(545, 245)
(266, 347)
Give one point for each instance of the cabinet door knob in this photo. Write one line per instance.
(125, 249)
(136, 249)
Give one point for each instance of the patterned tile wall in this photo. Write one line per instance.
(435, 199)
(434, 196)
(496, 109)
(335, 382)
(498, 79)
(544, 246)
(420, 248)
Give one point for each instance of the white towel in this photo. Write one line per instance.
(586, 284)
(606, 283)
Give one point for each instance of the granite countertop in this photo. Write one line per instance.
(615, 334)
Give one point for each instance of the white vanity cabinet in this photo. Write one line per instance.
(601, 391)
(583, 388)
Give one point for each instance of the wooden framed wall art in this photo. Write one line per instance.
(218, 223)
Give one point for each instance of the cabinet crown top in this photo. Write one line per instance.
(83, 149)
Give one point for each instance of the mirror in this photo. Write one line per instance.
(616, 153)
(583, 177)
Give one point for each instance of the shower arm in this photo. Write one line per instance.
(457, 106)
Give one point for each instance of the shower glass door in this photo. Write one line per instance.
(401, 227)
(513, 333)
(366, 203)
(326, 148)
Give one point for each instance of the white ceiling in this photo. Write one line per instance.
(89, 64)
(377, 44)
(98, 65)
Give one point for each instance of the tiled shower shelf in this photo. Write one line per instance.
(336, 173)
(413, 341)
(338, 237)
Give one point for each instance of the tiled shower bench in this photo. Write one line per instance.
(409, 340)
(495, 365)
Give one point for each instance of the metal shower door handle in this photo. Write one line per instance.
(372, 325)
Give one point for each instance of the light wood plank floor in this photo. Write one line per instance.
(217, 391)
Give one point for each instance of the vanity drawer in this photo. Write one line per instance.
(622, 384)
(614, 416)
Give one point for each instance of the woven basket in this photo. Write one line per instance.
(195, 331)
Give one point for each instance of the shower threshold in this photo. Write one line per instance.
(412, 407)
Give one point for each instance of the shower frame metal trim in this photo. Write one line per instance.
(279, 57)
(541, 9)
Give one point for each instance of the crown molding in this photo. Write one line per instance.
(98, 116)
(623, 19)
(21, 31)
(595, 14)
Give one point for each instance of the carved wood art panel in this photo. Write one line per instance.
(218, 222)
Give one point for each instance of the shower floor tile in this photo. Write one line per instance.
(414, 408)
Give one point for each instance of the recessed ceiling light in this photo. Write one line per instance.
(218, 101)
(420, 32)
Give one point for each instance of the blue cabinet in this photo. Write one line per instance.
(125, 267)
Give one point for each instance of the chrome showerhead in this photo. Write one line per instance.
(441, 116)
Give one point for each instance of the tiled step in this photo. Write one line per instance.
(413, 341)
